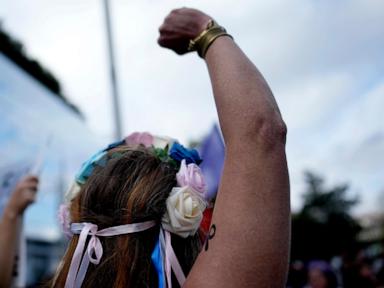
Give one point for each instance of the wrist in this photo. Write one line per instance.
(205, 39)
(11, 214)
(204, 24)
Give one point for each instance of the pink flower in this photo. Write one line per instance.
(65, 220)
(138, 138)
(191, 175)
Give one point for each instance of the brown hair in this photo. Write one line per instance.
(132, 187)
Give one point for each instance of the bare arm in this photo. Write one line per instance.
(251, 244)
(21, 198)
(250, 248)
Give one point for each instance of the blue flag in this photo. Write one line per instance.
(212, 150)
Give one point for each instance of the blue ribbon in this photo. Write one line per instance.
(88, 166)
(157, 260)
(97, 159)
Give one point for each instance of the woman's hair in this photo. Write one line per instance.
(132, 187)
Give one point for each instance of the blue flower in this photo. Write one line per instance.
(178, 152)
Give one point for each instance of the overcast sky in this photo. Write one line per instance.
(323, 59)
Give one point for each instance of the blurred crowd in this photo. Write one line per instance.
(361, 269)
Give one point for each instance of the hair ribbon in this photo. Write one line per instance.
(80, 261)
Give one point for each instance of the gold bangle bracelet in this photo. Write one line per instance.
(204, 40)
(193, 42)
(210, 37)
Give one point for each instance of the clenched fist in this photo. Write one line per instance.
(180, 26)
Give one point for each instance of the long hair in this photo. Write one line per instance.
(132, 187)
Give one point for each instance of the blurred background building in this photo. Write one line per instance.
(38, 123)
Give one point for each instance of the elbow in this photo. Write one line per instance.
(262, 132)
(270, 133)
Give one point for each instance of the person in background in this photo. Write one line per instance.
(321, 275)
(22, 196)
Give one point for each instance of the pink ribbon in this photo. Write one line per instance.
(79, 264)
(171, 262)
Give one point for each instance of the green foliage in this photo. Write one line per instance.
(324, 227)
(163, 155)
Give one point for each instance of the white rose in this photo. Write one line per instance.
(72, 192)
(184, 211)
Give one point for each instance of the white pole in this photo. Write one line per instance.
(115, 94)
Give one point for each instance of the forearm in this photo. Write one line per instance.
(245, 103)
(9, 226)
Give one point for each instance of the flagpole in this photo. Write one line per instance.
(114, 87)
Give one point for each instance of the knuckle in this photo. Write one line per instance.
(162, 42)
(169, 18)
(162, 28)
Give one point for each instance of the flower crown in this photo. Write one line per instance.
(184, 206)
(186, 202)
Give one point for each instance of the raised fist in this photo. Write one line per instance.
(180, 26)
